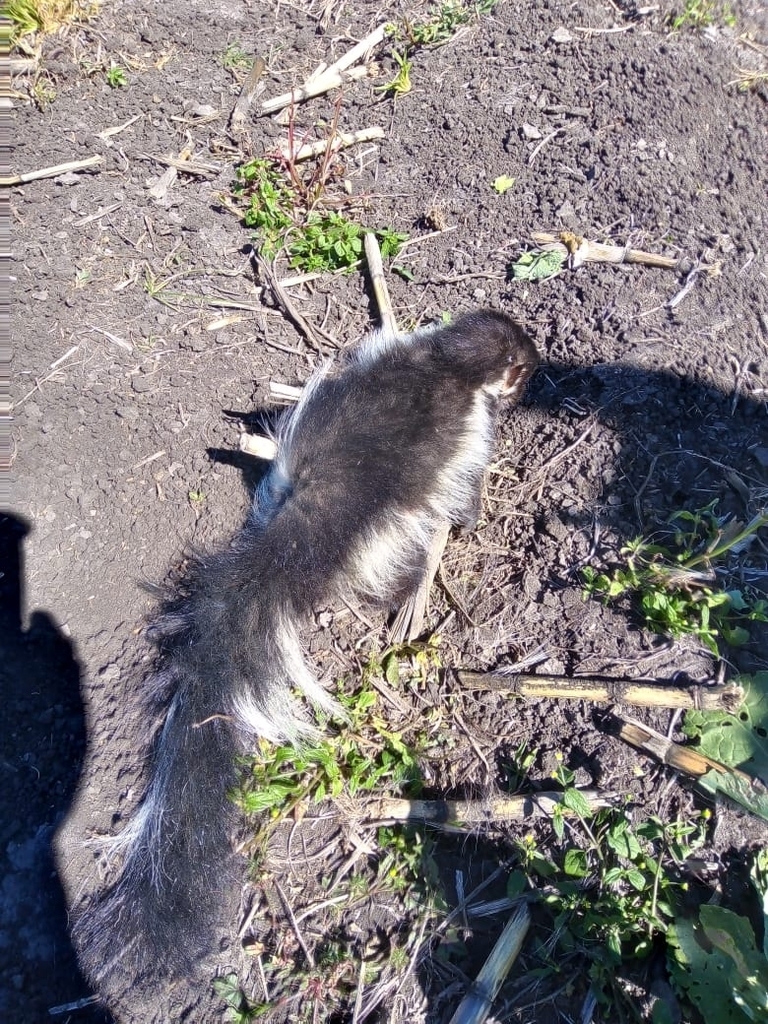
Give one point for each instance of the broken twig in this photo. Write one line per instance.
(269, 280)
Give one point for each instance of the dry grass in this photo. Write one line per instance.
(46, 16)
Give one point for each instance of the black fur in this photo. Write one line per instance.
(382, 449)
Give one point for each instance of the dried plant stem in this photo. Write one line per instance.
(321, 85)
(656, 745)
(581, 250)
(51, 172)
(638, 692)
(476, 1004)
(473, 812)
(379, 283)
(340, 140)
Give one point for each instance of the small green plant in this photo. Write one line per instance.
(327, 242)
(613, 888)
(439, 28)
(285, 218)
(361, 759)
(673, 580)
(444, 23)
(270, 203)
(235, 57)
(401, 83)
(698, 14)
(238, 1009)
(116, 77)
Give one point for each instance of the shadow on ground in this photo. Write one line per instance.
(42, 737)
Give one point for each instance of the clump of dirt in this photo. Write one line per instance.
(143, 342)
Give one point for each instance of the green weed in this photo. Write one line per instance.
(698, 14)
(285, 218)
(361, 759)
(443, 24)
(46, 16)
(401, 83)
(235, 57)
(238, 1009)
(673, 580)
(614, 888)
(116, 77)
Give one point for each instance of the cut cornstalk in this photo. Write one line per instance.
(675, 755)
(476, 1004)
(581, 250)
(341, 140)
(648, 693)
(329, 80)
(474, 812)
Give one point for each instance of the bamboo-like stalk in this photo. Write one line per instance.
(341, 140)
(582, 250)
(321, 85)
(477, 1003)
(518, 807)
(638, 692)
(379, 283)
(655, 744)
(50, 172)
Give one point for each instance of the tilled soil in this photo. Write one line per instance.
(130, 390)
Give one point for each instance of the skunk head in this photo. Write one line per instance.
(490, 351)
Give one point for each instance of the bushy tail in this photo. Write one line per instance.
(231, 656)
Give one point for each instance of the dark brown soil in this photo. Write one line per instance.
(127, 399)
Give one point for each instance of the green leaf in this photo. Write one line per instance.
(738, 789)
(517, 883)
(575, 864)
(739, 740)
(577, 802)
(758, 875)
(503, 184)
(702, 975)
(734, 937)
(537, 266)
(622, 841)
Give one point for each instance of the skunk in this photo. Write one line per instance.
(386, 444)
